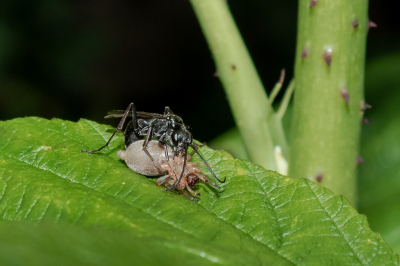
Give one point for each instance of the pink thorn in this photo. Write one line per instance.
(313, 3)
(304, 53)
(216, 74)
(366, 121)
(360, 159)
(328, 56)
(355, 24)
(372, 24)
(366, 106)
(345, 95)
(282, 77)
(319, 178)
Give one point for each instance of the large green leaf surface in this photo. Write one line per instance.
(258, 218)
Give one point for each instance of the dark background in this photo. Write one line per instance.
(79, 59)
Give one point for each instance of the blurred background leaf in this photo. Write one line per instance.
(379, 176)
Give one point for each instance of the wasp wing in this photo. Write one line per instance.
(116, 114)
(143, 115)
(146, 115)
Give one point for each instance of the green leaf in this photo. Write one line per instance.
(259, 218)
(60, 244)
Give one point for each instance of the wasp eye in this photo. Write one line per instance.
(175, 138)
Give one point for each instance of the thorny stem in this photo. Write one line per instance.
(246, 94)
(330, 57)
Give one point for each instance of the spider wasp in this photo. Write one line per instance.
(168, 128)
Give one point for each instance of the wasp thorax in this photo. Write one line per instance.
(175, 122)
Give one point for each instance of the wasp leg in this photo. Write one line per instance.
(205, 179)
(208, 167)
(120, 126)
(149, 136)
(199, 146)
(183, 171)
(167, 157)
(130, 135)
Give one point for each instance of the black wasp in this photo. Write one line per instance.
(168, 128)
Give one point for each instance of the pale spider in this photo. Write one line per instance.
(137, 160)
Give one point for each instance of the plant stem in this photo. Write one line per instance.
(246, 94)
(330, 58)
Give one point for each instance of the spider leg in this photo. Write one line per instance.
(162, 180)
(191, 191)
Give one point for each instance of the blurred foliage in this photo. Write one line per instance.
(379, 176)
(232, 142)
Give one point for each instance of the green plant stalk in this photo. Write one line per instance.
(325, 128)
(245, 92)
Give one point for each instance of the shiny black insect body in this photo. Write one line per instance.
(168, 128)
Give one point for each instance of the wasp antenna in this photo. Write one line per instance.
(206, 164)
(166, 156)
(183, 170)
(134, 115)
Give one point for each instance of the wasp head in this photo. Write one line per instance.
(181, 139)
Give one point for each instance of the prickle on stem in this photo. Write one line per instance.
(345, 95)
(328, 56)
(304, 53)
(360, 159)
(282, 77)
(319, 177)
(355, 24)
(313, 3)
(366, 121)
(365, 107)
(372, 24)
